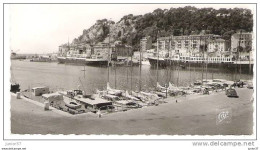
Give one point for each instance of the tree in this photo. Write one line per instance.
(240, 49)
(119, 34)
(248, 49)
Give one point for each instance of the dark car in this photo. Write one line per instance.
(231, 93)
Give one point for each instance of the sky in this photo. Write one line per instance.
(41, 28)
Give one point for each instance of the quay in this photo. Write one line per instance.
(193, 115)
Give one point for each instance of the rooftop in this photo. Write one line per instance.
(90, 101)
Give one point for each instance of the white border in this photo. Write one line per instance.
(7, 97)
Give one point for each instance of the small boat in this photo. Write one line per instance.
(182, 66)
(131, 97)
(71, 103)
(113, 91)
(197, 83)
(140, 96)
(150, 96)
(110, 97)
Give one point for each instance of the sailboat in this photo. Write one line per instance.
(127, 95)
(113, 91)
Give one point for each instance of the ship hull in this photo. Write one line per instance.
(229, 66)
(81, 61)
(18, 57)
(161, 62)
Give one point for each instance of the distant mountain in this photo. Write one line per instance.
(175, 21)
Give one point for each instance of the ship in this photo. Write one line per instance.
(198, 61)
(44, 58)
(89, 61)
(14, 55)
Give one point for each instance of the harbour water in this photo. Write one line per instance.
(64, 77)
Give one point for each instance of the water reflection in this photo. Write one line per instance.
(60, 76)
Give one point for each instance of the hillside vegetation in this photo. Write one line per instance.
(175, 21)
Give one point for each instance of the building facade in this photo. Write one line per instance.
(184, 45)
(217, 48)
(145, 43)
(100, 50)
(244, 38)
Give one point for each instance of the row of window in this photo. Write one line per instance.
(204, 59)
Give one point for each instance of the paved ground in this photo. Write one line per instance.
(192, 115)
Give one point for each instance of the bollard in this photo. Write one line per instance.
(46, 105)
(18, 95)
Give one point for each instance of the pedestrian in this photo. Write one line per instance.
(99, 114)
(176, 101)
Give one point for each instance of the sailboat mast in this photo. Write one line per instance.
(206, 63)
(202, 63)
(140, 69)
(189, 60)
(131, 75)
(170, 59)
(239, 55)
(108, 58)
(115, 66)
(157, 58)
(127, 66)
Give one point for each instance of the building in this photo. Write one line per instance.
(75, 50)
(100, 50)
(63, 49)
(123, 50)
(184, 45)
(38, 91)
(245, 42)
(116, 49)
(145, 43)
(217, 48)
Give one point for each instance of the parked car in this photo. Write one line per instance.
(205, 91)
(231, 93)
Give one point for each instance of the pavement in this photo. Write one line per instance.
(191, 115)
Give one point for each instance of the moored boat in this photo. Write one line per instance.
(83, 61)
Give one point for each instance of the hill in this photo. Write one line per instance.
(174, 21)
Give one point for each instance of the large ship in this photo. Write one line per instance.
(90, 61)
(196, 61)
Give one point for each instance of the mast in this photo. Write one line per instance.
(170, 59)
(131, 75)
(239, 55)
(157, 58)
(115, 66)
(202, 63)
(108, 58)
(192, 40)
(140, 70)
(84, 70)
(127, 67)
(189, 61)
(206, 62)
